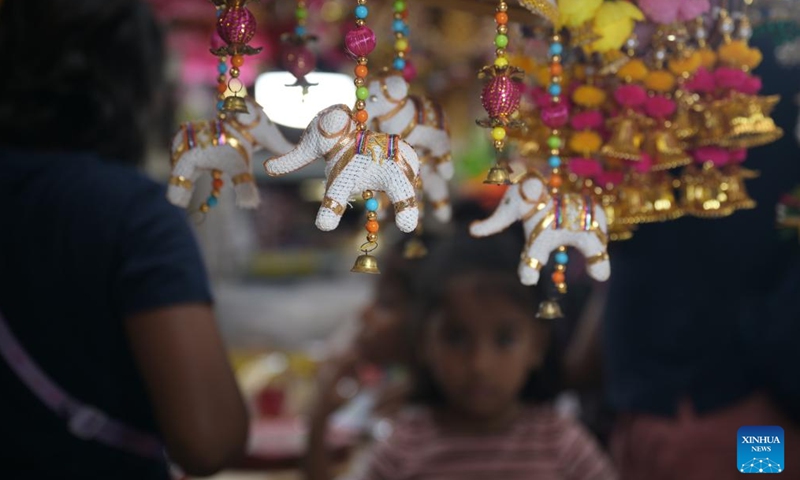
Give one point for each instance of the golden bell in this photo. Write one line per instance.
(634, 206)
(662, 198)
(749, 123)
(667, 150)
(704, 192)
(366, 263)
(498, 175)
(234, 104)
(733, 180)
(617, 230)
(684, 123)
(713, 124)
(626, 140)
(414, 249)
(549, 310)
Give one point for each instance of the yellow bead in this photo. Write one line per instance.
(401, 45)
(501, 62)
(498, 133)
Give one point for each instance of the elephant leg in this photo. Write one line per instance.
(535, 257)
(403, 196)
(339, 191)
(435, 191)
(598, 265)
(181, 184)
(244, 185)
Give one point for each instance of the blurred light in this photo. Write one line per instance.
(286, 105)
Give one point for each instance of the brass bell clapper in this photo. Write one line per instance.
(366, 263)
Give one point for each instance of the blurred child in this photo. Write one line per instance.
(483, 378)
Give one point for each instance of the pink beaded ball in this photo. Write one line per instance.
(556, 115)
(360, 41)
(298, 60)
(501, 96)
(236, 25)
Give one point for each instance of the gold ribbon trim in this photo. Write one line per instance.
(332, 204)
(532, 262)
(180, 181)
(595, 259)
(242, 178)
(402, 205)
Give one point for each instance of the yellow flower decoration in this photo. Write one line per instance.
(738, 54)
(708, 58)
(660, 81)
(574, 13)
(687, 65)
(588, 96)
(633, 71)
(541, 73)
(585, 143)
(614, 23)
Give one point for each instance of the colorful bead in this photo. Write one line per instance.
(237, 61)
(222, 87)
(222, 68)
(498, 133)
(362, 116)
(501, 18)
(398, 25)
(501, 41)
(555, 90)
(300, 31)
(555, 181)
(554, 142)
(372, 226)
(399, 64)
(401, 44)
(558, 277)
(399, 6)
(212, 201)
(371, 204)
(362, 93)
(361, 71)
(362, 11)
(556, 49)
(301, 13)
(501, 62)
(220, 105)
(554, 162)
(561, 258)
(556, 69)
(217, 183)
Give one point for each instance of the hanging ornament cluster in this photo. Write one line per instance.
(224, 147)
(401, 63)
(296, 57)
(359, 162)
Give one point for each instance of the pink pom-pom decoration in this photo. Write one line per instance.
(556, 115)
(717, 156)
(630, 96)
(730, 78)
(738, 156)
(360, 41)
(540, 97)
(236, 25)
(702, 82)
(501, 96)
(612, 179)
(585, 167)
(752, 85)
(660, 107)
(588, 120)
(665, 12)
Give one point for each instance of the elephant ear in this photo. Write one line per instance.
(333, 120)
(396, 87)
(531, 188)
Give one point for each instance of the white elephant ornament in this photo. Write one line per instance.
(422, 123)
(225, 145)
(550, 222)
(355, 161)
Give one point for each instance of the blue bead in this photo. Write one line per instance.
(555, 90)
(562, 258)
(399, 64)
(300, 31)
(398, 25)
(220, 104)
(405, 30)
(212, 201)
(371, 204)
(556, 49)
(554, 162)
(222, 68)
(361, 11)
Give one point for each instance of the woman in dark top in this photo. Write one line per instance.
(101, 281)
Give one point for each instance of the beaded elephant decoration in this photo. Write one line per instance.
(355, 161)
(223, 146)
(423, 124)
(550, 222)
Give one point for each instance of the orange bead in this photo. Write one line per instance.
(556, 69)
(362, 116)
(372, 226)
(222, 87)
(361, 71)
(556, 181)
(237, 61)
(217, 183)
(558, 277)
(501, 18)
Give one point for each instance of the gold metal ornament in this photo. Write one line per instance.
(625, 142)
(704, 192)
(235, 104)
(549, 310)
(498, 175)
(667, 151)
(366, 263)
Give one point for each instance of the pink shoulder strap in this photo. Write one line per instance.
(83, 421)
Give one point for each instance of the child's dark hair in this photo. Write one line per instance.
(497, 258)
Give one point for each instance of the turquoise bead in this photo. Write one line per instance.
(399, 64)
(220, 105)
(562, 258)
(554, 162)
(556, 49)
(300, 31)
(362, 12)
(372, 204)
(555, 90)
(222, 67)
(212, 201)
(398, 25)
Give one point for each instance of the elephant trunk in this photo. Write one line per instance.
(505, 214)
(305, 152)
